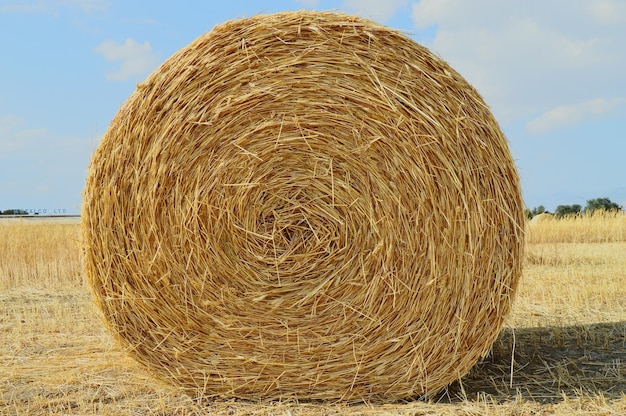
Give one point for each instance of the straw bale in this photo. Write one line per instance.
(304, 205)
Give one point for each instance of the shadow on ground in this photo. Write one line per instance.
(549, 364)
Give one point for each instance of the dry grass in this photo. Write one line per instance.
(595, 227)
(38, 254)
(569, 322)
(304, 205)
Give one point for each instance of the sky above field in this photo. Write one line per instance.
(552, 72)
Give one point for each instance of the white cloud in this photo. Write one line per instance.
(26, 7)
(53, 7)
(87, 6)
(135, 59)
(378, 10)
(9, 122)
(526, 59)
(15, 136)
(608, 11)
(308, 3)
(570, 115)
(40, 169)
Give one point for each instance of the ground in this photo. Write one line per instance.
(562, 351)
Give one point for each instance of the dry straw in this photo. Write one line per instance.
(304, 205)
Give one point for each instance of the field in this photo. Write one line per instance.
(563, 350)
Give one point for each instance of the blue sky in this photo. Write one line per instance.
(551, 70)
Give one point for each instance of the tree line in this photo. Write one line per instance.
(603, 204)
(14, 212)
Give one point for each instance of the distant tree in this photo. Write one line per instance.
(604, 204)
(535, 211)
(538, 210)
(563, 210)
(13, 212)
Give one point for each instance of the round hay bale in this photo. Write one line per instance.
(304, 205)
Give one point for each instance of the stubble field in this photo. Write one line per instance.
(563, 350)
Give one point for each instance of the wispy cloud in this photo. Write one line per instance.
(524, 59)
(378, 10)
(39, 168)
(308, 3)
(135, 59)
(53, 7)
(16, 136)
(571, 115)
(607, 11)
(88, 6)
(38, 7)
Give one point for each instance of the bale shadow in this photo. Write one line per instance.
(549, 364)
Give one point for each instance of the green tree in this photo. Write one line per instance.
(535, 211)
(527, 213)
(563, 210)
(538, 210)
(13, 212)
(601, 204)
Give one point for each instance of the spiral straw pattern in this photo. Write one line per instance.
(304, 205)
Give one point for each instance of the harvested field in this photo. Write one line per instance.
(562, 352)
